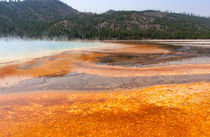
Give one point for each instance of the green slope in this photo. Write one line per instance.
(52, 18)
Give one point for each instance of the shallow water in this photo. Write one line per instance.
(134, 60)
(69, 94)
(177, 55)
(13, 50)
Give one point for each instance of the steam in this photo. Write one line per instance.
(16, 49)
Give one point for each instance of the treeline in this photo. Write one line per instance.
(52, 18)
(133, 25)
(109, 34)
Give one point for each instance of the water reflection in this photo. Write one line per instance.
(177, 55)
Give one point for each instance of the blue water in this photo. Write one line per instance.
(11, 50)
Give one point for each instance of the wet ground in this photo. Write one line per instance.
(176, 54)
(109, 68)
(89, 82)
(132, 89)
(160, 111)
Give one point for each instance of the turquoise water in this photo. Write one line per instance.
(11, 50)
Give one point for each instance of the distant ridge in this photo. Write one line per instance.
(35, 10)
(53, 18)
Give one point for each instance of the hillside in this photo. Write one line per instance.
(31, 15)
(134, 25)
(52, 18)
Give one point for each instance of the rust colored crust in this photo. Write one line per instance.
(64, 63)
(133, 48)
(164, 111)
(115, 71)
(52, 65)
(84, 62)
(47, 66)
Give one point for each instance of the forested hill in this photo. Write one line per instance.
(32, 17)
(52, 18)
